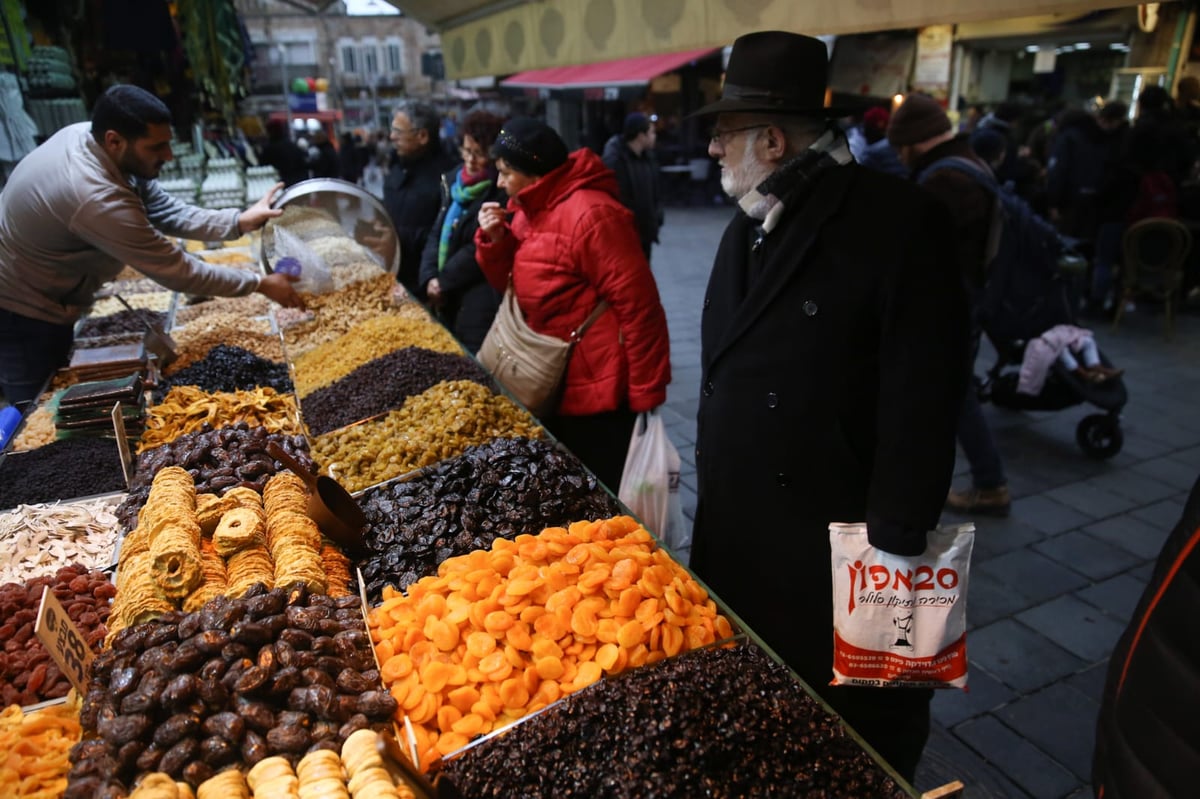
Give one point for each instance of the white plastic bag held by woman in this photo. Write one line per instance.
(650, 482)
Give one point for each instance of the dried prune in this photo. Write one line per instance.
(252, 679)
(217, 751)
(297, 639)
(178, 756)
(258, 716)
(314, 676)
(356, 722)
(376, 705)
(284, 681)
(250, 633)
(179, 726)
(265, 605)
(254, 748)
(213, 694)
(197, 772)
(210, 642)
(120, 730)
(148, 760)
(213, 670)
(127, 755)
(288, 739)
(123, 681)
(137, 702)
(229, 726)
(180, 691)
(350, 681)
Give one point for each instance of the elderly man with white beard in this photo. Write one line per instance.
(833, 338)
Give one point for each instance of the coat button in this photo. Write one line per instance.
(697, 453)
(708, 388)
(707, 302)
(782, 480)
(810, 308)
(772, 399)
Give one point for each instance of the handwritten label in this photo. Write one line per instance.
(118, 420)
(63, 641)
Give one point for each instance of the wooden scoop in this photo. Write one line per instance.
(329, 504)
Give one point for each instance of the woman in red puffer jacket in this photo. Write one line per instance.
(570, 244)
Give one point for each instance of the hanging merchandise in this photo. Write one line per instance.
(215, 48)
(17, 130)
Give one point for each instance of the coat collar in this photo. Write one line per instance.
(791, 241)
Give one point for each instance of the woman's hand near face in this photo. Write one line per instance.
(491, 221)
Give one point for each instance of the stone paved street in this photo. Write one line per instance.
(1053, 585)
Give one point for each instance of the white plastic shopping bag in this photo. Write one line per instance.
(650, 483)
(900, 622)
(315, 274)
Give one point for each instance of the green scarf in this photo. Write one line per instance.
(461, 197)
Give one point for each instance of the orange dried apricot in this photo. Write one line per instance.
(606, 656)
(549, 667)
(480, 644)
(631, 634)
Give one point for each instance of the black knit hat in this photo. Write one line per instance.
(918, 118)
(530, 146)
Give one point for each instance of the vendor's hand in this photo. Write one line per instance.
(491, 221)
(257, 215)
(278, 287)
(433, 291)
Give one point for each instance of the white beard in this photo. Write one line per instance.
(740, 181)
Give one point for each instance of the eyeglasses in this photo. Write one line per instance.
(722, 136)
(472, 155)
(403, 131)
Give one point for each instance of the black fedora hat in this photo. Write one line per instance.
(775, 72)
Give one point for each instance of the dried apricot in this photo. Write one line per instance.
(631, 634)
(481, 644)
(549, 668)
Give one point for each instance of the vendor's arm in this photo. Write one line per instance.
(118, 225)
(174, 217)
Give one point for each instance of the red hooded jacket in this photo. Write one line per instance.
(571, 244)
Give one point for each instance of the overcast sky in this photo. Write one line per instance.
(368, 7)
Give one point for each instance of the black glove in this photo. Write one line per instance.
(894, 537)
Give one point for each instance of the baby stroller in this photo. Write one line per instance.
(1020, 306)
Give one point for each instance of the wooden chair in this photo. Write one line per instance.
(1154, 254)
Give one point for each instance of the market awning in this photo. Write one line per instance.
(622, 72)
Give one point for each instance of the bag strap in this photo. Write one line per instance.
(578, 332)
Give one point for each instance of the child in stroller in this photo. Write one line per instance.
(1027, 315)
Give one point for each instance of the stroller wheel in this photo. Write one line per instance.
(1100, 436)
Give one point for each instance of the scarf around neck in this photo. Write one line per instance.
(796, 174)
(462, 194)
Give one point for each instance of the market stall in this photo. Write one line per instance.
(504, 629)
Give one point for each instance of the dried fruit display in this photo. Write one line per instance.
(123, 321)
(436, 424)
(41, 539)
(282, 672)
(498, 634)
(367, 340)
(249, 306)
(37, 431)
(36, 747)
(65, 469)
(227, 368)
(383, 384)
(187, 409)
(218, 460)
(234, 329)
(716, 722)
(27, 674)
(500, 489)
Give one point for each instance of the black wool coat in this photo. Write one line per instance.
(469, 302)
(830, 392)
(412, 194)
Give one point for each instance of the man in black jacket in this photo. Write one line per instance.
(921, 133)
(833, 347)
(631, 155)
(412, 191)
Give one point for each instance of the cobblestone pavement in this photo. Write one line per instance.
(1053, 585)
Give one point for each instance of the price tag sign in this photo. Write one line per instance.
(118, 420)
(63, 641)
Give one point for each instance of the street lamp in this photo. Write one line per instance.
(287, 103)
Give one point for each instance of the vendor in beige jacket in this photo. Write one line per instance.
(83, 205)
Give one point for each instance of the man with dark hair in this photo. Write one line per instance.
(833, 355)
(412, 191)
(83, 205)
(630, 154)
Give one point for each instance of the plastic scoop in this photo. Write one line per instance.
(329, 504)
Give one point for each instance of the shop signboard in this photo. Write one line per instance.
(931, 74)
